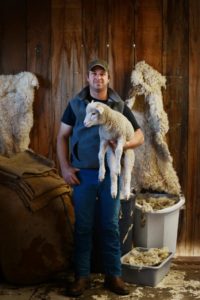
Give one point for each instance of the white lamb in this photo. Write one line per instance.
(113, 126)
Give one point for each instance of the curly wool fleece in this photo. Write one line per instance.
(16, 113)
(153, 168)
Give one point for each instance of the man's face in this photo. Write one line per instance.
(98, 79)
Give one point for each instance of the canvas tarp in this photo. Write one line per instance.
(36, 219)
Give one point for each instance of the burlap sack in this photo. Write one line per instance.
(36, 237)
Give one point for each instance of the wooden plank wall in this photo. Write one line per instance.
(56, 38)
(192, 239)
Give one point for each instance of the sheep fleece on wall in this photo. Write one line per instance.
(16, 113)
(153, 168)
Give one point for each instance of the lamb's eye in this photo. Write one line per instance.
(93, 114)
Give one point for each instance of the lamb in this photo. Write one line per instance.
(113, 126)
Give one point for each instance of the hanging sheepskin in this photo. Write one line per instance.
(153, 168)
(16, 115)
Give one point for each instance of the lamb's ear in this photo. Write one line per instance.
(100, 109)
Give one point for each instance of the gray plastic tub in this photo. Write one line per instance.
(146, 275)
(161, 226)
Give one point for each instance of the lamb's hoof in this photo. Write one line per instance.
(118, 170)
(114, 195)
(127, 195)
(124, 196)
(101, 178)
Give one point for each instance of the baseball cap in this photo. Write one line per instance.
(98, 62)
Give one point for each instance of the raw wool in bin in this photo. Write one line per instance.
(153, 169)
(151, 257)
(151, 204)
(154, 203)
(16, 113)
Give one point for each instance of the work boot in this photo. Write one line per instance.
(116, 284)
(78, 287)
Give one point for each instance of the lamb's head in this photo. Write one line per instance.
(94, 114)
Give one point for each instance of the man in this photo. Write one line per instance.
(81, 172)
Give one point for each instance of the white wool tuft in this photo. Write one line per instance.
(16, 113)
(149, 80)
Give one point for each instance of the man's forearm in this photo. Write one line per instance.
(137, 140)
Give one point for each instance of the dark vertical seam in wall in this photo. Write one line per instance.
(107, 32)
(82, 44)
(26, 33)
(162, 37)
(50, 78)
(134, 31)
(188, 91)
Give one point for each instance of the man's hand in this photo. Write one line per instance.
(69, 175)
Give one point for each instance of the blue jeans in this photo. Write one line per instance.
(85, 197)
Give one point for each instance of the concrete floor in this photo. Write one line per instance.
(181, 283)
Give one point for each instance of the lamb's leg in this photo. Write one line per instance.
(128, 163)
(118, 155)
(101, 155)
(111, 159)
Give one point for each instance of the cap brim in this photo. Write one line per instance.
(98, 65)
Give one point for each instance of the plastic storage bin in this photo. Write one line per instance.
(146, 275)
(160, 227)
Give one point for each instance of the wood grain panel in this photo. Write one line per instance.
(121, 44)
(148, 32)
(12, 36)
(58, 66)
(95, 33)
(55, 39)
(175, 67)
(38, 62)
(73, 50)
(193, 183)
(66, 57)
